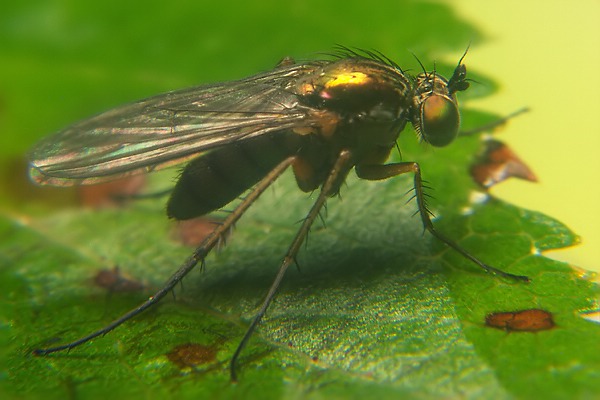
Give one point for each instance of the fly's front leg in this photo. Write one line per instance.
(379, 172)
(494, 124)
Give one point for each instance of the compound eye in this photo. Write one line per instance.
(440, 120)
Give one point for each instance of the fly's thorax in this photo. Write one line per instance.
(364, 97)
(361, 105)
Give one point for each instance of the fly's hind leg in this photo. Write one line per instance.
(199, 255)
(379, 172)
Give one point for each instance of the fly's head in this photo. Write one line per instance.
(435, 114)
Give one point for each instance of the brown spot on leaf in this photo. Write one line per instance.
(111, 194)
(115, 281)
(190, 355)
(192, 232)
(532, 320)
(498, 162)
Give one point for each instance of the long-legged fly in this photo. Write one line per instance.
(321, 118)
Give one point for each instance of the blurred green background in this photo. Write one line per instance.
(63, 61)
(546, 55)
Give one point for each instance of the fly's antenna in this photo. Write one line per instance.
(464, 54)
(459, 82)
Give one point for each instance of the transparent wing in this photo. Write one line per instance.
(170, 128)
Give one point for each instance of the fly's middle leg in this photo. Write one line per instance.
(330, 187)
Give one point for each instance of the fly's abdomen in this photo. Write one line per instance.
(215, 179)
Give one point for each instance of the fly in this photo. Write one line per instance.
(320, 118)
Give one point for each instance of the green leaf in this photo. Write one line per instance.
(377, 308)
